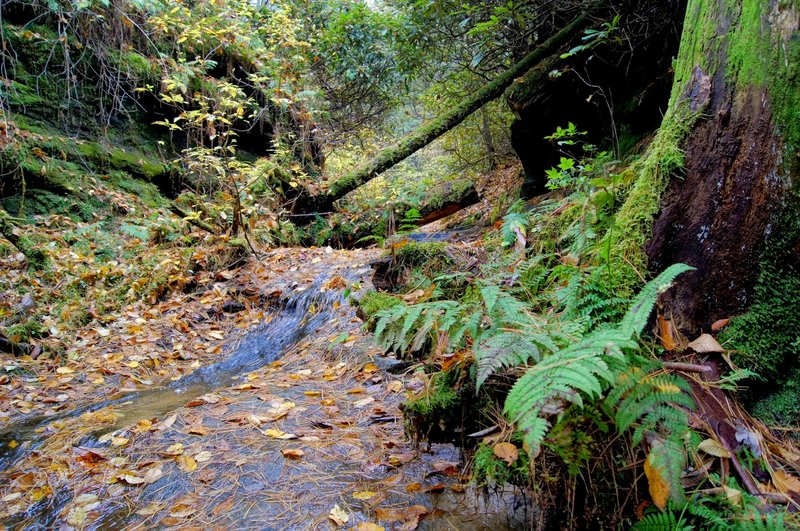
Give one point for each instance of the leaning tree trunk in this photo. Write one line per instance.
(738, 66)
(547, 53)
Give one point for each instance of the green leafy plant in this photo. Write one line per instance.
(585, 369)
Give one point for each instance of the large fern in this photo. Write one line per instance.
(587, 369)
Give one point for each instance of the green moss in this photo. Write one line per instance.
(623, 246)
(488, 469)
(767, 337)
(374, 301)
(781, 408)
(24, 332)
(436, 411)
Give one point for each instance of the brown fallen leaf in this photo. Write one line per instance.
(292, 453)
(413, 487)
(717, 325)
(507, 452)
(182, 510)
(705, 344)
(369, 526)
(786, 483)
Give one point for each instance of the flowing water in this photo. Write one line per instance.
(251, 471)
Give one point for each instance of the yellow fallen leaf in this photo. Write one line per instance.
(186, 463)
(65, 370)
(119, 441)
(370, 368)
(364, 495)
(338, 515)
(657, 485)
(734, 496)
(278, 434)
(713, 447)
(175, 449)
(369, 526)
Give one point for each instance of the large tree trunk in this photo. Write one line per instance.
(738, 65)
(547, 52)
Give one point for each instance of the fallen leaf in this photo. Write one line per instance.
(439, 487)
(363, 402)
(151, 509)
(202, 457)
(65, 370)
(364, 495)
(369, 526)
(785, 482)
(278, 434)
(734, 496)
(182, 510)
(119, 441)
(130, 479)
(713, 447)
(717, 325)
(507, 452)
(175, 449)
(370, 368)
(338, 515)
(657, 485)
(186, 463)
(706, 343)
(413, 487)
(292, 453)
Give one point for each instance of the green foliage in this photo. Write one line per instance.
(585, 369)
(714, 514)
(488, 469)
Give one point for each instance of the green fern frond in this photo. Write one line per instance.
(639, 313)
(666, 521)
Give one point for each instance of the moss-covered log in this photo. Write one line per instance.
(433, 130)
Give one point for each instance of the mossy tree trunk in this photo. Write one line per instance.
(424, 135)
(737, 92)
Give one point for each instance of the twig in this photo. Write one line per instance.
(686, 367)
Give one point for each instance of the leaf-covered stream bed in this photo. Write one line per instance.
(276, 415)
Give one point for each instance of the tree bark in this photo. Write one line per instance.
(737, 66)
(424, 135)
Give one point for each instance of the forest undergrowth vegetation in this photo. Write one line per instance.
(549, 355)
(149, 149)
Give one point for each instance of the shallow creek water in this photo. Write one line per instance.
(213, 454)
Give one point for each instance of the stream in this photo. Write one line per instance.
(243, 479)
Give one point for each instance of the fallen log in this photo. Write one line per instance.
(548, 52)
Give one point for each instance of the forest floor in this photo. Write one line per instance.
(254, 398)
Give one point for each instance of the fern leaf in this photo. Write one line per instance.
(636, 318)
